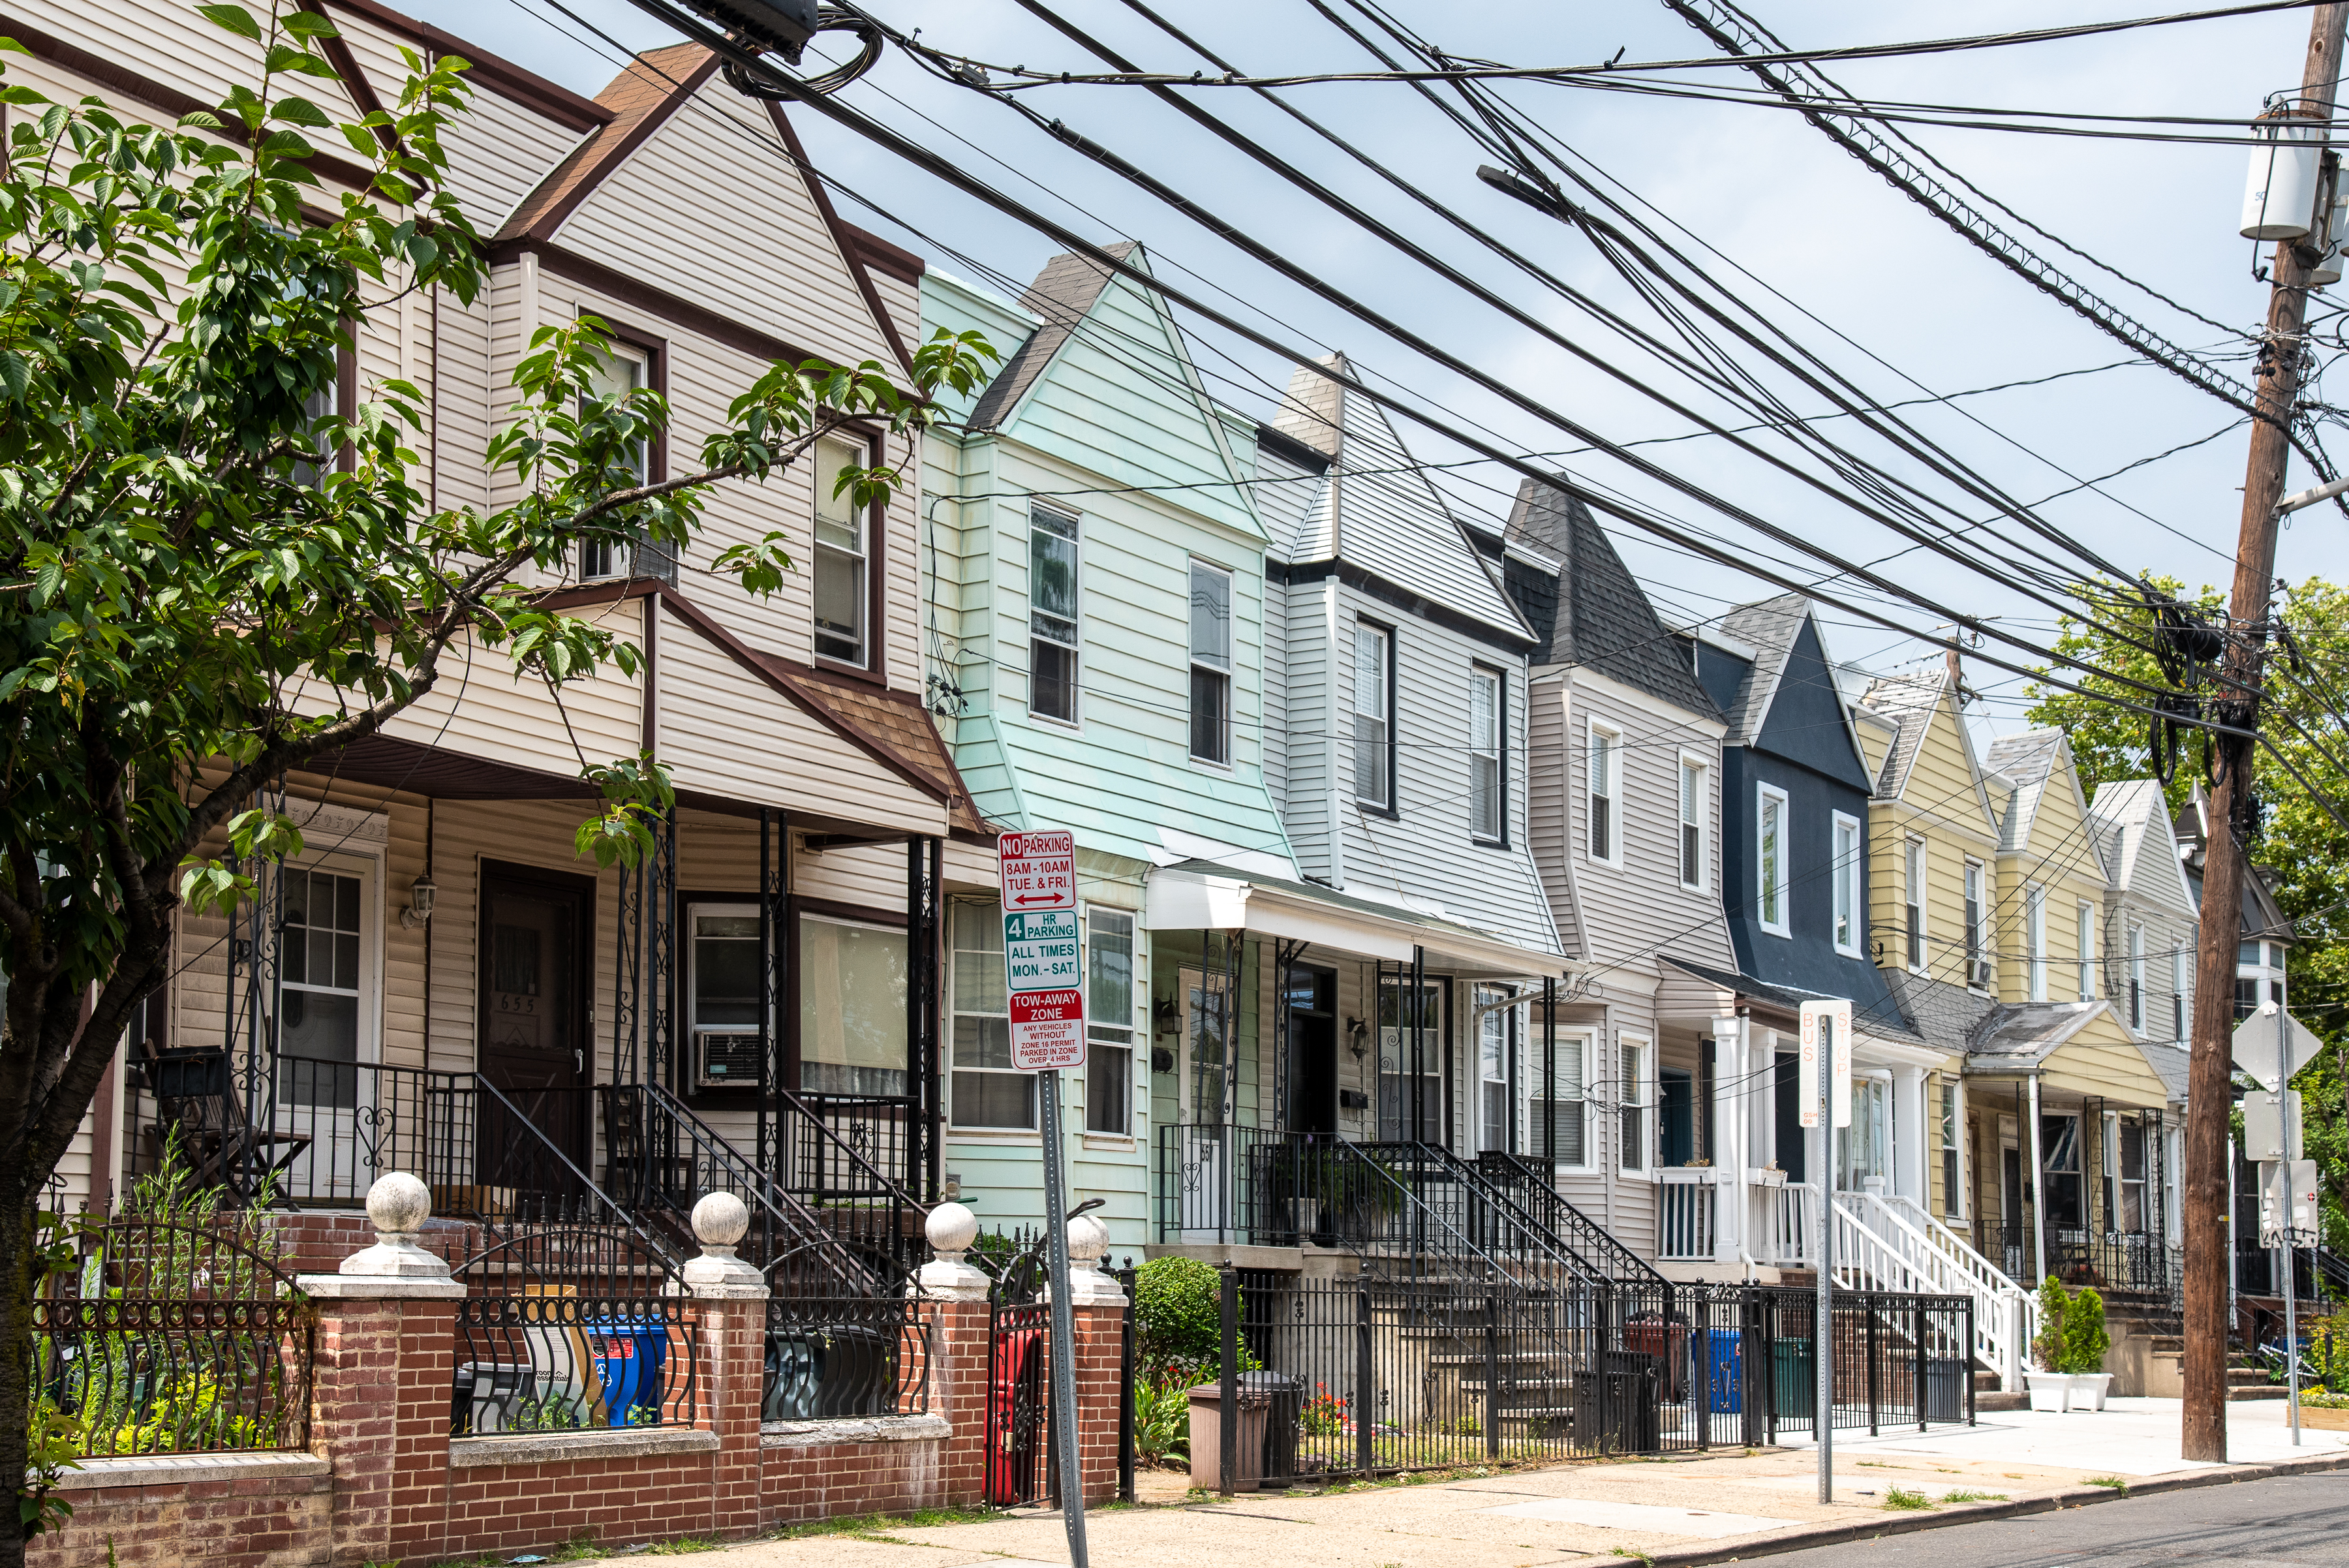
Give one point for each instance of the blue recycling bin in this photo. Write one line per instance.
(629, 1354)
(1724, 1381)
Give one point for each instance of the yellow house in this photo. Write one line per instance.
(1990, 883)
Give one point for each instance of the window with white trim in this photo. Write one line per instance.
(2137, 978)
(843, 574)
(1694, 799)
(1053, 615)
(1633, 1097)
(1558, 1108)
(1496, 1030)
(1602, 826)
(1770, 859)
(985, 1090)
(2180, 989)
(326, 976)
(1211, 663)
(2034, 939)
(1109, 1020)
(1373, 715)
(1953, 1181)
(619, 371)
(2086, 935)
(1912, 893)
(1487, 753)
(1849, 892)
(1977, 949)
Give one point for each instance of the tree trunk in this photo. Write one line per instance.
(18, 1192)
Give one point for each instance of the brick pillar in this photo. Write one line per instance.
(1101, 1333)
(729, 1314)
(954, 1302)
(380, 1383)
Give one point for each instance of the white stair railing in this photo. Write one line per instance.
(1685, 1214)
(1879, 1245)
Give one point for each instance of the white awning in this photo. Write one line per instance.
(1190, 897)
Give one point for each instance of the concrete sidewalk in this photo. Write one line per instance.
(1663, 1509)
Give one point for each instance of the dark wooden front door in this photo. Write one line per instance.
(534, 1048)
(1312, 999)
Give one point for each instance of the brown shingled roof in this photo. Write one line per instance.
(640, 98)
(898, 721)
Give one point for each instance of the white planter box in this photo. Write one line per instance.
(2051, 1392)
(2088, 1389)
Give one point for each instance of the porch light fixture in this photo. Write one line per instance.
(419, 912)
(1166, 1018)
(1358, 1035)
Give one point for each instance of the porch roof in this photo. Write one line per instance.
(1207, 895)
(1866, 1023)
(2080, 1046)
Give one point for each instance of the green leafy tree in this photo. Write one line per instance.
(2306, 696)
(207, 585)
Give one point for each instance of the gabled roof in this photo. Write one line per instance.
(2029, 759)
(1379, 513)
(1770, 629)
(2261, 915)
(2023, 1035)
(647, 91)
(1602, 621)
(1909, 702)
(1062, 296)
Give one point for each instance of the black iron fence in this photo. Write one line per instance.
(570, 1327)
(835, 1356)
(1365, 1376)
(174, 1337)
(2141, 1261)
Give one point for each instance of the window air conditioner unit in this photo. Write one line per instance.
(726, 1059)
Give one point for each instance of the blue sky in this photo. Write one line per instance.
(1758, 186)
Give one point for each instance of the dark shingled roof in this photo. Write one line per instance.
(1770, 628)
(1064, 295)
(1596, 615)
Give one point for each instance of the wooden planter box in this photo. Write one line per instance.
(2328, 1419)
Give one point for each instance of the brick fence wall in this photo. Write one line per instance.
(385, 1481)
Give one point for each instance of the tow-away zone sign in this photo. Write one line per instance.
(1047, 1030)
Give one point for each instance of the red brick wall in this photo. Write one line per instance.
(1100, 1387)
(616, 1501)
(799, 1484)
(234, 1523)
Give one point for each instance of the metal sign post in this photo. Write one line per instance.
(1047, 1006)
(1827, 1052)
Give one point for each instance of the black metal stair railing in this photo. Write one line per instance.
(663, 1160)
(1505, 1225)
(1530, 1185)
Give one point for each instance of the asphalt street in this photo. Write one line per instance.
(2289, 1520)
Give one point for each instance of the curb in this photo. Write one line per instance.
(1966, 1513)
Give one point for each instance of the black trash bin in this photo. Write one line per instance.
(1945, 1389)
(1615, 1408)
(1285, 1397)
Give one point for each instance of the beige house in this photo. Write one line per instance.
(439, 983)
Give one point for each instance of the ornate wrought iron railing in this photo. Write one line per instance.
(829, 1358)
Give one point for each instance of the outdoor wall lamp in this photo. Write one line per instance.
(1166, 1018)
(1358, 1035)
(420, 892)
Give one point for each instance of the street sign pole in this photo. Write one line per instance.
(1047, 1008)
(1825, 1043)
(2284, 1210)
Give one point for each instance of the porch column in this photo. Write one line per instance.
(955, 1305)
(1727, 1141)
(1909, 1135)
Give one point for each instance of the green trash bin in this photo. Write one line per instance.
(1794, 1379)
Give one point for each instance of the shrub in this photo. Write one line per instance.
(2084, 1338)
(2047, 1347)
(1177, 1313)
(1162, 1417)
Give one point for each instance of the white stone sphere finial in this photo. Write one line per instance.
(1088, 1240)
(398, 1204)
(719, 1221)
(951, 1228)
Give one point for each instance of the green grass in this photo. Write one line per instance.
(683, 1544)
(1902, 1498)
(2114, 1482)
(1974, 1497)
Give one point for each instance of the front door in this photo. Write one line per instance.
(1676, 1129)
(1312, 1000)
(534, 1036)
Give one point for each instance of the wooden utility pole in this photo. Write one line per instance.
(2209, 1230)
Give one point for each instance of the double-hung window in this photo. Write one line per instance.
(2034, 939)
(1373, 715)
(621, 371)
(2087, 943)
(1497, 1025)
(321, 981)
(1109, 1020)
(1604, 823)
(1848, 890)
(1770, 860)
(987, 1091)
(2137, 978)
(842, 557)
(853, 977)
(1633, 1097)
(1211, 663)
(2180, 985)
(1913, 894)
(1487, 753)
(1693, 801)
(1953, 1186)
(723, 986)
(1977, 958)
(1558, 1108)
(1053, 615)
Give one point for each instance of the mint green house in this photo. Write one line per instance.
(1095, 657)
